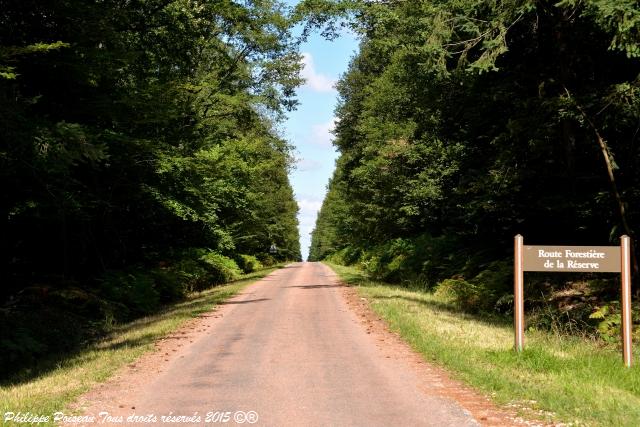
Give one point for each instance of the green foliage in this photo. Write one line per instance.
(464, 123)
(46, 321)
(423, 259)
(133, 291)
(196, 269)
(465, 295)
(266, 259)
(483, 293)
(41, 321)
(620, 18)
(346, 256)
(609, 327)
(608, 320)
(134, 131)
(189, 270)
(221, 269)
(248, 263)
(8, 54)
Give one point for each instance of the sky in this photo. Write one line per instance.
(309, 127)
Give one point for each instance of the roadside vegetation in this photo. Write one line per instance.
(557, 378)
(463, 123)
(139, 160)
(55, 383)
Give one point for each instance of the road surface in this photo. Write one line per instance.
(288, 351)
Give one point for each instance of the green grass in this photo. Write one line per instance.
(54, 389)
(557, 378)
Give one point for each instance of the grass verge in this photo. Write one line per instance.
(56, 388)
(556, 378)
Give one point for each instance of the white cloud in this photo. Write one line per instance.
(309, 206)
(308, 199)
(307, 215)
(321, 134)
(314, 80)
(307, 165)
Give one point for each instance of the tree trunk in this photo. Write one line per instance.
(604, 148)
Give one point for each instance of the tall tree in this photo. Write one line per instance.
(133, 129)
(473, 121)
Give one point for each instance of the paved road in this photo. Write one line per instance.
(290, 349)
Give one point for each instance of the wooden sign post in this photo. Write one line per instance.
(625, 247)
(518, 294)
(598, 259)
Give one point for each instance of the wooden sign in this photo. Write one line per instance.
(557, 259)
(597, 259)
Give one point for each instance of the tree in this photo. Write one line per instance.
(134, 129)
(470, 122)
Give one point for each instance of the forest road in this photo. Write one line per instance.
(290, 351)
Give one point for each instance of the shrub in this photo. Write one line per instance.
(198, 269)
(169, 284)
(465, 295)
(423, 260)
(481, 293)
(42, 321)
(392, 262)
(46, 321)
(220, 268)
(29, 336)
(248, 263)
(192, 274)
(346, 256)
(266, 259)
(134, 289)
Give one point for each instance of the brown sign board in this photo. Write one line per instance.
(598, 259)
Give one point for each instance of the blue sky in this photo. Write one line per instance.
(309, 127)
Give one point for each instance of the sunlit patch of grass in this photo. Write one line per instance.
(557, 378)
(54, 389)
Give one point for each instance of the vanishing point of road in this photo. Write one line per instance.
(289, 351)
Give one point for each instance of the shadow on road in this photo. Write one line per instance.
(245, 301)
(316, 286)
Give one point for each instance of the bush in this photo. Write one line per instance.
(248, 263)
(198, 269)
(193, 274)
(465, 295)
(481, 293)
(220, 268)
(141, 291)
(266, 259)
(45, 321)
(169, 284)
(134, 289)
(29, 336)
(425, 260)
(346, 256)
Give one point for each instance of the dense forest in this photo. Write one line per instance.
(139, 159)
(462, 123)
